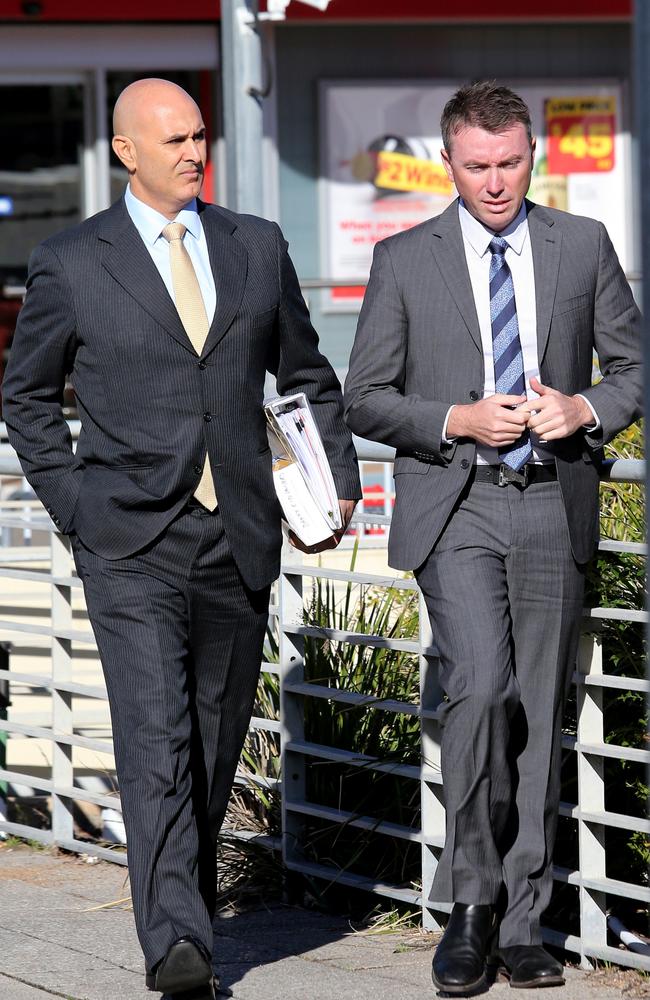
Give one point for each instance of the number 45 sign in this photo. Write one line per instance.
(580, 134)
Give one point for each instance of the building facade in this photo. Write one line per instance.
(351, 119)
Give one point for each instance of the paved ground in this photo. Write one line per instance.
(59, 939)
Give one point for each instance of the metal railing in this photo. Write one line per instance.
(45, 624)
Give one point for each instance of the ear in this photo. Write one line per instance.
(533, 147)
(446, 161)
(124, 149)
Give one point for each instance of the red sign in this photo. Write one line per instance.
(580, 134)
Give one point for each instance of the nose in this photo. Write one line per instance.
(494, 183)
(191, 151)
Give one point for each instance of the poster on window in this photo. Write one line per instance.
(381, 170)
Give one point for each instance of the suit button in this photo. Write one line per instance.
(198, 470)
(473, 395)
(207, 417)
(464, 464)
(202, 366)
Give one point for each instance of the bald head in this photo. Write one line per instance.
(143, 98)
(159, 136)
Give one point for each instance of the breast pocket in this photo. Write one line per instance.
(575, 303)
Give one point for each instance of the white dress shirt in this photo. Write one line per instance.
(519, 257)
(150, 225)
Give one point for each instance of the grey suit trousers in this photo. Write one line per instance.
(180, 639)
(504, 596)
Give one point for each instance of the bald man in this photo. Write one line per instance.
(168, 331)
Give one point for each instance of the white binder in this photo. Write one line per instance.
(301, 471)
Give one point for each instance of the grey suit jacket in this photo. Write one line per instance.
(149, 406)
(418, 349)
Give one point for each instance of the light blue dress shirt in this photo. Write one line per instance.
(150, 225)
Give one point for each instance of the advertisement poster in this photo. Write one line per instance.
(381, 170)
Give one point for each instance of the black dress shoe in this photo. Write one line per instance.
(186, 967)
(529, 966)
(459, 960)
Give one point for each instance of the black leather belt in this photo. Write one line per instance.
(503, 475)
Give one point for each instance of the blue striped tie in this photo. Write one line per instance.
(506, 346)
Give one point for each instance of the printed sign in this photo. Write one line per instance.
(381, 170)
(580, 133)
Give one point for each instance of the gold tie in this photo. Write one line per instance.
(191, 309)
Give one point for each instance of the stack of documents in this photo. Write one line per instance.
(301, 472)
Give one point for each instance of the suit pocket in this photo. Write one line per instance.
(405, 463)
(575, 303)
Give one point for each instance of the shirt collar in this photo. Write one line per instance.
(479, 237)
(151, 223)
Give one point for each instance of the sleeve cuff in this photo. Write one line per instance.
(588, 428)
(451, 440)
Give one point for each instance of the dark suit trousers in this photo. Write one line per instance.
(180, 639)
(504, 596)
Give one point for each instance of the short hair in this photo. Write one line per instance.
(485, 105)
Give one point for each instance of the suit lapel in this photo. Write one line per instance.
(449, 254)
(546, 243)
(229, 262)
(127, 259)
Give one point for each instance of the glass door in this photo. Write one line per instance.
(41, 170)
(43, 125)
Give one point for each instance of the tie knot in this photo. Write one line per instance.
(174, 231)
(498, 245)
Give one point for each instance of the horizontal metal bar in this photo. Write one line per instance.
(616, 614)
(27, 780)
(47, 684)
(354, 638)
(339, 877)
(352, 759)
(612, 750)
(75, 635)
(345, 818)
(603, 884)
(252, 836)
(40, 576)
(117, 855)
(611, 545)
(75, 793)
(245, 778)
(41, 733)
(26, 832)
(271, 725)
(618, 821)
(613, 683)
(352, 698)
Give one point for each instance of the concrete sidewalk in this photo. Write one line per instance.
(54, 942)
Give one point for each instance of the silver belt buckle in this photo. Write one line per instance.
(508, 475)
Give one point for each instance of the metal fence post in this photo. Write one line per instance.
(62, 723)
(431, 804)
(5, 702)
(591, 798)
(292, 713)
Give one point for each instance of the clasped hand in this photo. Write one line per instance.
(347, 510)
(498, 420)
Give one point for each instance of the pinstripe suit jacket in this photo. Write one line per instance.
(149, 406)
(418, 349)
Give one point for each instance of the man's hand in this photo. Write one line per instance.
(496, 421)
(347, 510)
(555, 415)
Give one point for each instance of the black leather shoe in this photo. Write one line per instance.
(186, 967)
(459, 960)
(529, 966)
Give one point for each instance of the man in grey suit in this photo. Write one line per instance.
(473, 358)
(168, 313)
